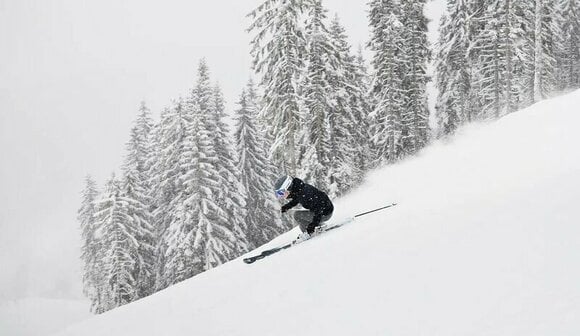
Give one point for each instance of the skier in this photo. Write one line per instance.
(318, 205)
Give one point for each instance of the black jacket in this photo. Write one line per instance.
(310, 198)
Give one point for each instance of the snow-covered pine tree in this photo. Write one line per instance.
(546, 37)
(140, 146)
(518, 39)
(169, 135)
(262, 216)
(348, 118)
(569, 60)
(536, 45)
(181, 260)
(90, 247)
(415, 115)
(491, 49)
(387, 43)
(453, 72)
(137, 208)
(135, 188)
(185, 244)
(255, 104)
(222, 242)
(524, 48)
(120, 248)
(315, 135)
(199, 235)
(231, 195)
(278, 49)
(514, 21)
(362, 104)
(509, 25)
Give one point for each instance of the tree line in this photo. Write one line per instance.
(496, 57)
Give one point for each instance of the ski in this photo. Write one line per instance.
(320, 230)
(266, 253)
(323, 228)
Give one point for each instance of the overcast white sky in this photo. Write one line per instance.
(72, 74)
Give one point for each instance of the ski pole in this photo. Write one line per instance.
(377, 209)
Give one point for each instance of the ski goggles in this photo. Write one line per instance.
(281, 193)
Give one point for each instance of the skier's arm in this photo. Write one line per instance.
(289, 205)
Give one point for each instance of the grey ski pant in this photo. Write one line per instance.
(304, 218)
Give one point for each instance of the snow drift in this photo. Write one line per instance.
(483, 241)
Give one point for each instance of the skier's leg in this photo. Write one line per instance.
(325, 218)
(322, 222)
(303, 217)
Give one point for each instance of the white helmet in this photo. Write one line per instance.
(282, 186)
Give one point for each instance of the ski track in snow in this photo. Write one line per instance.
(483, 241)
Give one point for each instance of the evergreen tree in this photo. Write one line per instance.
(316, 134)
(415, 115)
(453, 68)
(183, 251)
(387, 43)
(138, 210)
(348, 118)
(199, 235)
(231, 196)
(491, 48)
(362, 106)
(518, 54)
(120, 247)
(524, 63)
(225, 237)
(256, 174)
(278, 50)
(90, 248)
(546, 34)
(569, 60)
(174, 263)
(165, 171)
(140, 145)
(136, 189)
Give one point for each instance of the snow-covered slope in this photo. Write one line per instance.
(40, 316)
(484, 241)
